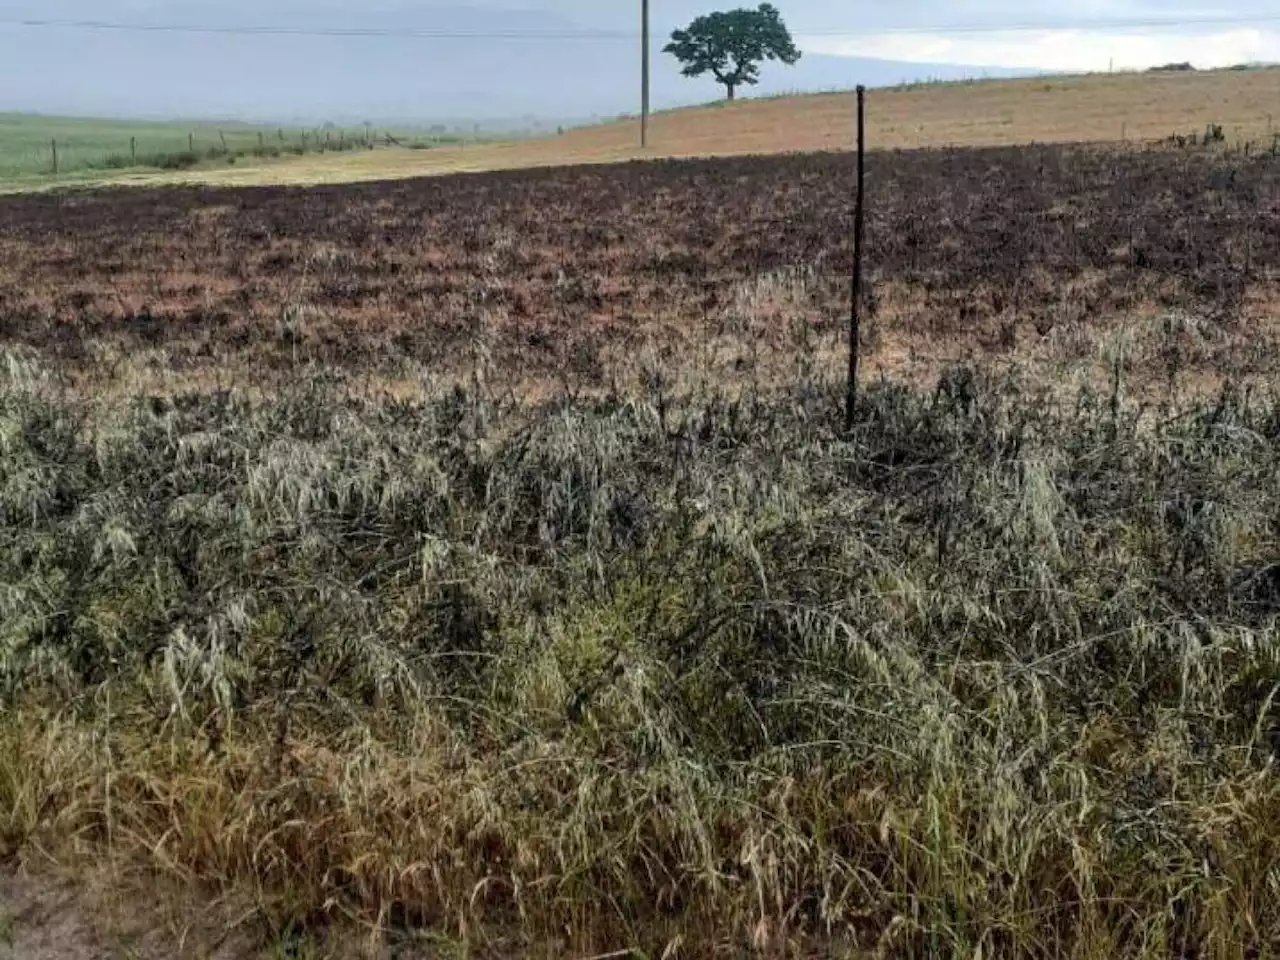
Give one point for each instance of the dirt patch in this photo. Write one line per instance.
(46, 918)
(43, 918)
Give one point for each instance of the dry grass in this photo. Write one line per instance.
(685, 672)
(1098, 108)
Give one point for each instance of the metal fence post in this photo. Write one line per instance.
(855, 313)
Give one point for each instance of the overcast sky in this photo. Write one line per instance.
(911, 30)
(402, 73)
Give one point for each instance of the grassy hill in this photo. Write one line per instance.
(103, 144)
(91, 148)
(1094, 108)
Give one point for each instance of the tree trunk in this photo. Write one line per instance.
(730, 88)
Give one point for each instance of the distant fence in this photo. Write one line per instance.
(219, 146)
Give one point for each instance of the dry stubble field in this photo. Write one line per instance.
(1083, 109)
(480, 566)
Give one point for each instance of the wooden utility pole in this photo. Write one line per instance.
(644, 74)
(859, 224)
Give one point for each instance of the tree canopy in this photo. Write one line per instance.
(732, 45)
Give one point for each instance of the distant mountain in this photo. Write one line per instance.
(402, 76)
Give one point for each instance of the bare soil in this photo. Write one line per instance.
(96, 915)
(46, 920)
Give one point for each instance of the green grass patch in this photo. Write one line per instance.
(89, 147)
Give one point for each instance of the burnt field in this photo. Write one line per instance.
(971, 252)
(485, 567)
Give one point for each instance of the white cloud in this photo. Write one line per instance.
(1077, 49)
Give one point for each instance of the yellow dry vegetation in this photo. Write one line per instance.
(1093, 108)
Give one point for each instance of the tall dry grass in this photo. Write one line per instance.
(679, 671)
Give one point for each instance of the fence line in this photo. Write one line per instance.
(64, 156)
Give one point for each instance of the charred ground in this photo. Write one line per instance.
(975, 250)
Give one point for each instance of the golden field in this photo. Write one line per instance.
(1082, 109)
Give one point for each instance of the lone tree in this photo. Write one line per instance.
(732, 45)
